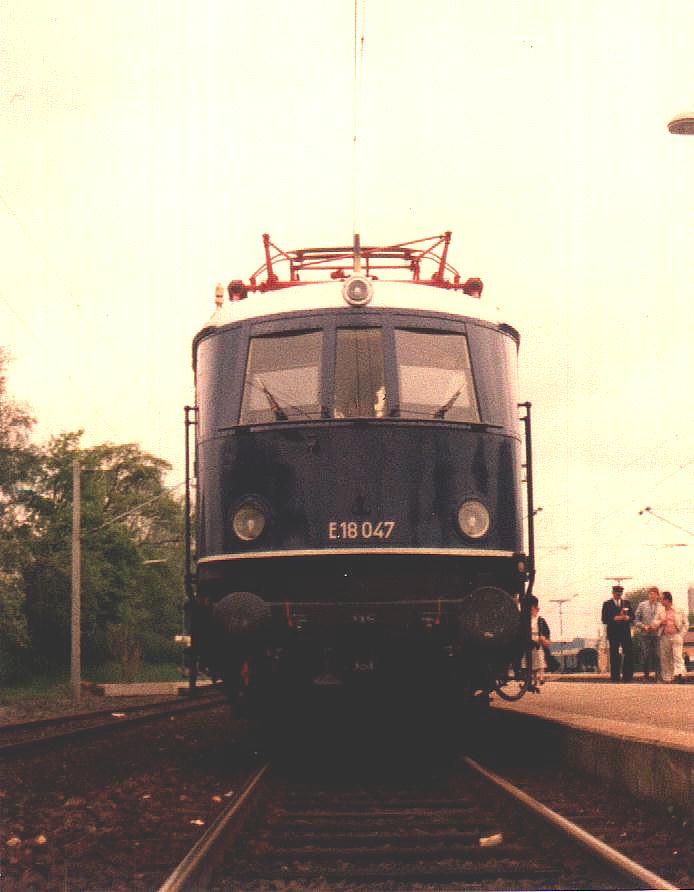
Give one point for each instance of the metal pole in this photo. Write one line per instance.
(189, 587)
(529, 494)
(561, 602)
(75, 624)
(188, 578)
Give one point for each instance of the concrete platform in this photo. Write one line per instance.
(141, 689)
(636, 736)
(605, 677)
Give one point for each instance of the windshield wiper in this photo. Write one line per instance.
(441, 413)
(279, 412)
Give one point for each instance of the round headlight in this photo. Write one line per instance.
(473, 519)
(248, 521)
(357, 291)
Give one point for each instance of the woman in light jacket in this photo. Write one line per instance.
(671, 626)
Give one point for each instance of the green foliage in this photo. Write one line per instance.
(16, 457)
(128, 520)
(14, 633)
(112, 672)
(124, 644)
(55, 687)
(17, 461)
(38, 687)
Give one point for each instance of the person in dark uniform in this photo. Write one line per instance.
(618, 616)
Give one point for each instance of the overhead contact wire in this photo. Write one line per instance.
(358, 67)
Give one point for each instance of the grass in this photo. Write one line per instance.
(39, 688)
(57, 685)
(112, 672)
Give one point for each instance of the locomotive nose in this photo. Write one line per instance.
(489, 618)
(241, 615)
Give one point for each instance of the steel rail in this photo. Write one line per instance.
(630, 869)
(105, 727)
(70, 718)
(196, 867)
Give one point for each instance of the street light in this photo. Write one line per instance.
(682, 124)
(618, 579)
(561, 602)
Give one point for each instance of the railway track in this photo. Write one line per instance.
(474, 830)
(20, 738)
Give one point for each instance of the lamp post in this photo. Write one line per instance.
(561, 602)
(76, 580)
(682, 124)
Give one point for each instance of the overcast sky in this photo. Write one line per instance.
(146, 146)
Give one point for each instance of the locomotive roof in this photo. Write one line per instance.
(317, 279)
(387, 295)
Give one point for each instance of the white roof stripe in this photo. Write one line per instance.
(388, 295)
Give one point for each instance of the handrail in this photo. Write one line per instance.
(529, 493)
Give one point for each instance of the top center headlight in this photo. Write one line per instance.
(358, 291)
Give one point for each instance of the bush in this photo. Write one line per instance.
(14, 635)
(124, 645)
(157, 648)
(111, 673)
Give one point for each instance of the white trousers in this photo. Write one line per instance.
(671, 659)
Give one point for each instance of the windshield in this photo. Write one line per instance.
(434, 376)
(360, 390)
(282, 378)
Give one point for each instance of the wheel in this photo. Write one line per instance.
(513, 684)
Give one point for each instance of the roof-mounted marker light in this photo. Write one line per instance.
(357, 291)
(237, 290)
(473, 287)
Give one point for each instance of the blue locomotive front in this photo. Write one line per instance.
(358, 466)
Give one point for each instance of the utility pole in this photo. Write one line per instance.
(618, 579)
(76, 624)
(561, 602)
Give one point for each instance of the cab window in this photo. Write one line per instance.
(282, 379)
(434, 376)
(360, 390)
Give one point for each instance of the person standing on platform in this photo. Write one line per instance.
(647, 625)
(618, 616)
(539, 633)
(671, 630)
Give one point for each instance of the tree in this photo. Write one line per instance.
(17, 461)
(128, 518)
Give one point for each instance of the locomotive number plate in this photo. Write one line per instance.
(363, 529)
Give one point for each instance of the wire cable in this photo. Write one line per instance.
(134, 510)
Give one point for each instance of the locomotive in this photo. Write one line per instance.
(362, 474)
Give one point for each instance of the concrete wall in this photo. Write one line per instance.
(650, 771)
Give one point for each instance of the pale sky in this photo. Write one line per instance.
(146, 146)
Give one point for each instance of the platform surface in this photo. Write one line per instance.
(656, 713)
(141, 689)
